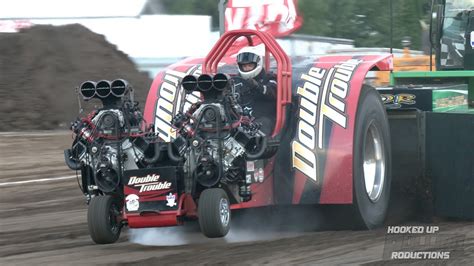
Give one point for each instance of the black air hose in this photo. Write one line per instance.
(156, 157)
(70, 162)
(171, 154)
(255, 156)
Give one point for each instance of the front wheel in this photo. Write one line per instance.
(103, 218)
(372, 161)
(214, 213)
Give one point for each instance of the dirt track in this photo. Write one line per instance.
(45, 223)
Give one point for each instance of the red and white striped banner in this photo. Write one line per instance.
(14, 25)
(277, 17)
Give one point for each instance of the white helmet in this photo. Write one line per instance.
(250, 55)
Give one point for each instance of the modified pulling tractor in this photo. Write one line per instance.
(197, 153)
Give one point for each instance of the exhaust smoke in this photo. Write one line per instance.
(168, 236)
(258, 224)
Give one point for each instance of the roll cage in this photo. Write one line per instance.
(284, 68)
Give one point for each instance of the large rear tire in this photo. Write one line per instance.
(372, 161)
(103, 219)
(214, 213)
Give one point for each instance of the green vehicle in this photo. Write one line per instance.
(432, 119)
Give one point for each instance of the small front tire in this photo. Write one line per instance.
(214, 213)
(103, 218)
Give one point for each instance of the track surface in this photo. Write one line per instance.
(45, 223)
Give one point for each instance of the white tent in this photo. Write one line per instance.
(29, 9)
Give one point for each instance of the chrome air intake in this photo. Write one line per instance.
(87, 90)
(119, 87)
(103, 89)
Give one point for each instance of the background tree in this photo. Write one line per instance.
(194, 7)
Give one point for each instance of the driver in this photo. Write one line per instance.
(259, 92)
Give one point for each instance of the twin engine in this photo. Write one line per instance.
(216, 138)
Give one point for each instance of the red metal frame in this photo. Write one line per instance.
(271, 46)
(187, 208)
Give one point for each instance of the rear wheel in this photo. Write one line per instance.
(214, 213)
(372, 161)
(103, 217)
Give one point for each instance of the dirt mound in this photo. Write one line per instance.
(40, 68)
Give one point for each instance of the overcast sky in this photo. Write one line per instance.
(69, 8)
